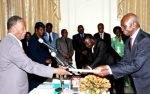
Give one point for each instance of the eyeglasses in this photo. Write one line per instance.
(124, 27)
(127, 25)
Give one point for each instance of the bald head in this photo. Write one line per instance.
(129, 19)
(129, 24)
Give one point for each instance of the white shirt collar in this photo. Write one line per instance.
(16, 39)
(50, 35)
(102, 34)
(134, 35)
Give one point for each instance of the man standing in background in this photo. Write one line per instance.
(81, 51)
(50, 38)
(25, 42)
(103, 35)
(64, 47)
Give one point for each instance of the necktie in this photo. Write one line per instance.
(50, 39)
(101, 35)
(131, 43)
(81, 36)
(67, 44)
(27, 43)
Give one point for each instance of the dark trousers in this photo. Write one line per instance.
(117, 84)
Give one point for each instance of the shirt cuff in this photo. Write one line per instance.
(110, 72)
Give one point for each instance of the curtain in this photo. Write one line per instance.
(32, 11)
(139, 7)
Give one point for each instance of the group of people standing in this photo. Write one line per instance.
(90, 51)
(100, 49)
(116, 57)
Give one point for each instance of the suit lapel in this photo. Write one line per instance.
(138, 38)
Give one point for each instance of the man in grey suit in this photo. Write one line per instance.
(136, 60)
(64, 47)
(14, 63)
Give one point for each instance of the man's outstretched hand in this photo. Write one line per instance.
(104, 71)
(61, 71)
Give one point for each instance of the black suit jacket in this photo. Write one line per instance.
(25, 46)
(79, 46)
(136, 62)
(102, 55)
(107, 38)
(37, 52)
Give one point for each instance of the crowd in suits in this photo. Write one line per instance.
(120, 56)
(100, 53)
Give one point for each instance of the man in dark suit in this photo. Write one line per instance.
(25, 42)
(101, 55)
(81, 50)
(103, 35)
(64, 47)
(136, 60)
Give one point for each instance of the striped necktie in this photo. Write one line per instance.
(131, 42)
(50, 39)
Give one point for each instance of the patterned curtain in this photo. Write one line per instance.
(139, 7)
(32, 11)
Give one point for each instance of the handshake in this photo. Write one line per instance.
(104, 70)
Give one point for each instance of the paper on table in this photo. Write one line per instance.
(84, 70)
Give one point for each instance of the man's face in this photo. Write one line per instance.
(81, 30)
(100, 28)
(126, 25)
(88, 43)
(28, 36)
(49, 29)
(65, 34)
(20, 29)
(40, 32)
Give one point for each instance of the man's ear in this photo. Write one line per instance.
(13, 29)
(134, 25)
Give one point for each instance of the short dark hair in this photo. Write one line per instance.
(62, 31)
(28, 33)
(12, 21)
(80, 26)
(49, 24)
(101, 25)
(38, 25)
(117, 28)
(89, 37)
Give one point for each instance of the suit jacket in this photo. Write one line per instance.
(107, 38)
(101, 55)
(25, 46)
(13, 67)
(65, 47)
(136, 62)
(55, 37)
(79, 46)
(38, 52)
